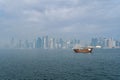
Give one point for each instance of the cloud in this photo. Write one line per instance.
(30, 18)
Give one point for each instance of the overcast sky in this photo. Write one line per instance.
(63, 18)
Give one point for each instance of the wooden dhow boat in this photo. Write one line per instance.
(83, 50)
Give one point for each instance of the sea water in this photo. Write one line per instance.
(64, 64)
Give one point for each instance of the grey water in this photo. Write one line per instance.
(37, 64)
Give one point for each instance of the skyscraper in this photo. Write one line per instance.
(52, 43)
(94, 42)
(110, 43)
(38, 43)
(45, 41)
(118, 44)
(26, 44)
(12, 43)
(20, 44)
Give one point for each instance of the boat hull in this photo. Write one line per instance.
(85, 50)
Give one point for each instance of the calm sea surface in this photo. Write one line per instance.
(35, 64)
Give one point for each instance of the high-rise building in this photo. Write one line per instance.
(61, 43)
(34, 43)
(45, 42)
(26, 44)
(110, 43)
(38, 43)
(105, 43)
(118, 44)
(94, 42)
(52, 43)
(20, 44)
(12, 41)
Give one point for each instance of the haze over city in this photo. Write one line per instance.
(59, 39)
(82, 19)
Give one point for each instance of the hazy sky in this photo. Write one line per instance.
(63, 18)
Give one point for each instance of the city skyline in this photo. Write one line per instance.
(82, 19)
(48, 42)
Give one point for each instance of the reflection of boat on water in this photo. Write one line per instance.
(83, 50)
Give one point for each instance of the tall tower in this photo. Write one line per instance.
(110, 43)
(26, 44)
(94, 42)
(38, 43)
(12, 41)
(105, 43)
(52, 43)
(45, 41)
(118, 44)
(20, 44)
